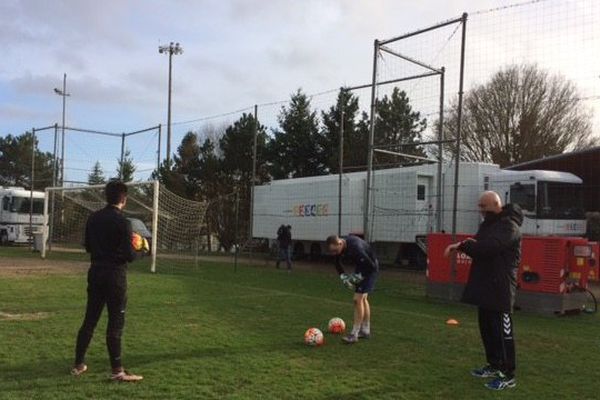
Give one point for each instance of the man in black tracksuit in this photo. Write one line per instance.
(284, 240)
(496, 254)
(108, 240)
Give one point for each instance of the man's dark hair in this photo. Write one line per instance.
(115, 191)
(331, 240)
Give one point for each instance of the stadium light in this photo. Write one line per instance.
(63, 93)
(171, 49)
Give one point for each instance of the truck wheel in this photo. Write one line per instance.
(3, 238)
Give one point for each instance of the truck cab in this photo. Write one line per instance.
(552, 202)
(15, 209)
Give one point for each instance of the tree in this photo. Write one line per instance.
(96, 177)
(522, 113)
(15, 163)
(397, 123)
(295, 150)
(355, 134)
(236, 147)
(187, 164)
(208, 176)
(209, 170)
(126, 167)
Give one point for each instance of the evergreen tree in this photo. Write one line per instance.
(15, 163)
(398, 123)
(96, 177)
(355, 135)
(296, 149)
(126, 168)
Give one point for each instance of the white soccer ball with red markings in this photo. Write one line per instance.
(336, 325)
(313, 337)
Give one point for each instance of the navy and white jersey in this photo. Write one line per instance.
(359, 253)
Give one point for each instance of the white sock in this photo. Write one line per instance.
(366, 327)
(355, 330)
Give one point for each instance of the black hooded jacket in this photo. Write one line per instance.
(496, 254)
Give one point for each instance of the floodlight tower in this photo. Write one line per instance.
(63, 93)
(171, 49)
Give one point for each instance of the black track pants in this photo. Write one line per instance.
(497, 334)
(105, 287)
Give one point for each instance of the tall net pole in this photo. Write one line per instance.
(254, 151)
(440, 184)
(457, 155)
(31, 185)
(368, 196)
(341, 161)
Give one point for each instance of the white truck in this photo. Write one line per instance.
(15, 207)
(405, 207)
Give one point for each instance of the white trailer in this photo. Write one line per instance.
(404, 206)
(15, 208)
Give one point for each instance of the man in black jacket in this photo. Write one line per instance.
(496, 254)
(108, 240)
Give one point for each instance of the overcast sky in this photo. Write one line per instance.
(236, 53)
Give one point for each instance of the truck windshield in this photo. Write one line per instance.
(21, 205)
(523, 195)
(559, 200)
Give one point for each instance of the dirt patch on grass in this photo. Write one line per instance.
(31, 266)
(4, 316)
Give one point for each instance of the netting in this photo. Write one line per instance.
(81, 161)
(174, 226)
(181, 226)
(558, 37)
(408, 203)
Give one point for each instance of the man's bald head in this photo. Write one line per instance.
(490, 201)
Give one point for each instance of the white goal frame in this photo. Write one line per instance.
(155, 193)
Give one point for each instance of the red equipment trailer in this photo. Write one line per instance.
(595, 262)
(552, 278)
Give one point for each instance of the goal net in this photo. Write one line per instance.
(175, 227)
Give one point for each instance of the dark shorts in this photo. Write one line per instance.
(368, 284)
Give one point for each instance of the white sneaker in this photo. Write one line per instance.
(125, 376)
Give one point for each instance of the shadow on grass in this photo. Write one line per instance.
(60, 367)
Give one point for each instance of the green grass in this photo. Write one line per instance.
(209, 332)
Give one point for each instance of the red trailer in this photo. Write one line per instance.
(552, 277)
(595, 262)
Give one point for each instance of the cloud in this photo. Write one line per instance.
(17, 112)
(237, 53)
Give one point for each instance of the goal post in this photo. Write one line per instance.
(173, 225)
(154, 249)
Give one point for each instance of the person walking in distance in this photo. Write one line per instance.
(284, 240)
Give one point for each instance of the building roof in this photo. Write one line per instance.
(559, 159)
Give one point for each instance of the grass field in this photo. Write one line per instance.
(209, 332)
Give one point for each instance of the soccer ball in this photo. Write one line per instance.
(313, 337)
(137, 241)
(336, 325)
